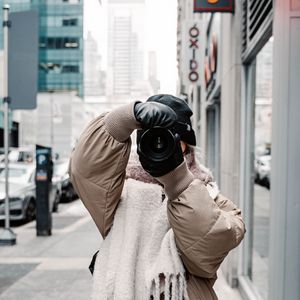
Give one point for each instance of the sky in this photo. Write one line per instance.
(161, 27)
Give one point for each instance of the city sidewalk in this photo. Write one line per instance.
(56, 267)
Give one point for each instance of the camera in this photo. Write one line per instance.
(159, 144)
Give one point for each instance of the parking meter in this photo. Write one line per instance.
(43, 179)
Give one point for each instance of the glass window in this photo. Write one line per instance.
(71, 43)
(213, 139)
(42, 43)
(50, 67)
(70, 22)
(59, 43)
(258, 272)
(72, 1)
(70, 69)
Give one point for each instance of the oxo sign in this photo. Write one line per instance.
(193, 69)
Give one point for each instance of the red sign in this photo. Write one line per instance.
(214, 6)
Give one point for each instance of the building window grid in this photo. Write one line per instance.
(64, 17)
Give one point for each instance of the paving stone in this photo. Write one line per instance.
(11, 273)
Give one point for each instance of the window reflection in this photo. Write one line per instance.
(56, 67)
(69, 22)
(262, 169)
(59, 43)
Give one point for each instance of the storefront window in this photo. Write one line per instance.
(213, 139)
(259, 272)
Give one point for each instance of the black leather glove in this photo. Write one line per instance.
(151, 114)
(158, 169)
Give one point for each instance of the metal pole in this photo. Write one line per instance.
(7, 237)
(51, 120)
(6, 125)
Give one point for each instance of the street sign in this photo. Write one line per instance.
(23, 59)
(214, 6)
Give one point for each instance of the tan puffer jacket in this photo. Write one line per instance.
(205, 229)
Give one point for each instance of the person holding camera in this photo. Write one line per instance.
(166, 227)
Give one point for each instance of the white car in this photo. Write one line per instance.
(22, 192)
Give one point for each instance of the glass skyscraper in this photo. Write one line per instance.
(60, 42)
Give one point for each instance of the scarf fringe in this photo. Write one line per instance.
(167, 287)
(176, 284)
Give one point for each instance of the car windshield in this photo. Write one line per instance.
(60, 169)
(21, 155)
(16, 174)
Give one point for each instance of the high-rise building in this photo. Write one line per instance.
(15, 6)
(152, 72)
(126, 55)
(60, 42)
(94, 76)
(60, 80)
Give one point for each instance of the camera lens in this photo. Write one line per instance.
(157, 144)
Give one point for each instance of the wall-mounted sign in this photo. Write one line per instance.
(214, 6)
(193, 53)
(190, 55)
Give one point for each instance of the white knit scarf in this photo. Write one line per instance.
(139, 258)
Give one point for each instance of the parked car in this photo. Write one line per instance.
(263, 170)
(22, 192)
(23, 154)
(61, 177)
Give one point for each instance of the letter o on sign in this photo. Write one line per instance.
(193, 76)
(194, 32)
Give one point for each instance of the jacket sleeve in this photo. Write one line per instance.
(98, 162)
(205, 229)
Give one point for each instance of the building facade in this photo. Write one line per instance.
(61, 45)
(60, 42)
(247, 112)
